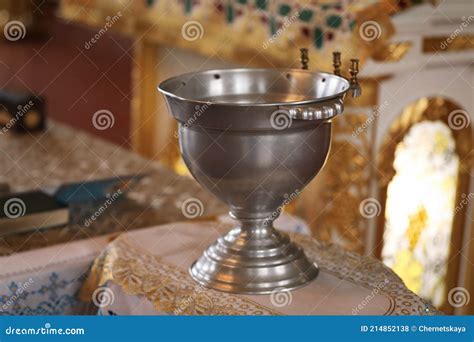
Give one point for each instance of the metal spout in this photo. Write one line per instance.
(355, 86)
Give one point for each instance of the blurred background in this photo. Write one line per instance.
(398, 184)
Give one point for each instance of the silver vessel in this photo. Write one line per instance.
(255, 138)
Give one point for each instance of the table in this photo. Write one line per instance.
(153, 261)
(145, 272)
(62, 155)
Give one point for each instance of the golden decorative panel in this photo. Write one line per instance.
(248, 34)
(392, 52)
(448, 43)
(162, 23)
(452, 116)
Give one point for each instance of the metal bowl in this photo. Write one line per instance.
(254, 138)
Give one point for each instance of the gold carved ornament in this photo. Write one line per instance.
(330, 204)
(220, 40)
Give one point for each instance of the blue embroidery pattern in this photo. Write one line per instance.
(53, 298)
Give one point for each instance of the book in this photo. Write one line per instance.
(29, 211)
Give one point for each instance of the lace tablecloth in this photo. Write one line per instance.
(145, 272)
(46, 281)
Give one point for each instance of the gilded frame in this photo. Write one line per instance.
(431, 109)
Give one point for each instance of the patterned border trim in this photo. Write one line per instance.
(172, 291)
(167, 287)
(367, 272)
